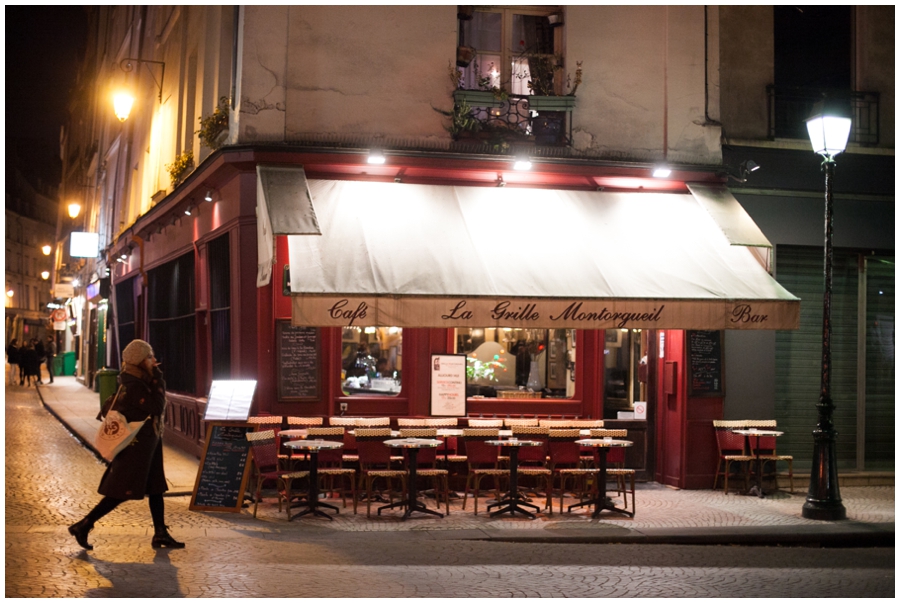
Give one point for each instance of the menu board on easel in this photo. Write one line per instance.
(229, 400)
(448, 385)
(705, 367)
(222, 475)
(297, 359)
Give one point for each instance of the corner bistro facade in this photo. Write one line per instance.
(439, 251)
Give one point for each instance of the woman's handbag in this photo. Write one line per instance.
(115, 432)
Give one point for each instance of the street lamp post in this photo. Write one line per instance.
(828, 132)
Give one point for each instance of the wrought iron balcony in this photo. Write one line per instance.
(515, 120)
(790, 107)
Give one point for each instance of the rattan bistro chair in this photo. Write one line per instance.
(264, 449)
(331, 464)
(565, 461)
(615, 463)
(733, 456)
(375, 462)
(482, 459)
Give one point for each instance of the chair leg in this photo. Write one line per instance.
(256, 498)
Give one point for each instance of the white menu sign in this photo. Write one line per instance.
(230, 400)
(448, 385)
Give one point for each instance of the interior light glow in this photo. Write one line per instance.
(662, 172)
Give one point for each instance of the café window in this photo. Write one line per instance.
(625, 368)
(512, 48)
(371, 360)
(541, 361)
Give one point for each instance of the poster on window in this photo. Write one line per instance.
(448, 385)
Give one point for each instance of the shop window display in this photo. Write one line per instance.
(371, 360)
(503, 361)
(625, 362)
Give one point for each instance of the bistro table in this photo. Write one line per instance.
(757, 433)
(602, 445)
(313, 447)
(513, 501)
(412, 445)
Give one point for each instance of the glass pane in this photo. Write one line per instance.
(531, 34)
(482, 31)
(371, 360)
(483, 73)
(625, 382)
(536, 360)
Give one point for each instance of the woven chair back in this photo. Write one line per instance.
(442, 422)
(371, 449)
(412, 423)
(532, 454)
(373, 421)
(427, 457)
(304, 421)
(335, 456)
(521, 422)
(730, 442)
(265, 449)
(485, 422)
(563, 450)
(479, 454)
(342, 421)
(418, 432)
(265, 420)
(609, 433)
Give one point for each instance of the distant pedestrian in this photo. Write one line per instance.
(42, 355)
(138, 470)
(29, 365)
(12, 357)
(50, 351)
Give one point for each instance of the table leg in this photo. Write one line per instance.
(313, 503)
(412, 502)
(602, 502)
(513, 500)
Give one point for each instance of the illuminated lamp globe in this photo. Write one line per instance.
(122, 103)
(46, 249)
(74, 210)
(829, 128)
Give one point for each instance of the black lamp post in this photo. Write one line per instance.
(828, 132)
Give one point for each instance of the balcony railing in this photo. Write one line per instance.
(518, 119)
(790, 107)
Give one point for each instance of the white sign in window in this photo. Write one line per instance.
(448, 385)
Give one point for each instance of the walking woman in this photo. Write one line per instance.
(137, 471)
(29, 365)
(12, 357)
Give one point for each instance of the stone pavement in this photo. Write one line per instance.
(664, 515)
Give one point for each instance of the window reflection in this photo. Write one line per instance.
(371, 360)
(504, 360)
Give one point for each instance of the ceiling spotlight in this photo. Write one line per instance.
(190, 208)
(500, 182)
(750, 165)
(208, 197)
(661, 172)
(522, 164)
(376, 157)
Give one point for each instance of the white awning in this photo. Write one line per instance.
(284, 206)
(443, 256)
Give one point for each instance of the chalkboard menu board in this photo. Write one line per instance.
(222, 476)
(705, 370)
(297, 356)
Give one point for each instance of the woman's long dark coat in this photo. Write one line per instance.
(138, 470)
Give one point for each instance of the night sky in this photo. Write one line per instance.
(44, 46)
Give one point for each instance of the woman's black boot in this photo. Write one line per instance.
(162, 540)
(80, 532)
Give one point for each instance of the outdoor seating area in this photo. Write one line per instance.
(747, 451)
(432, 465)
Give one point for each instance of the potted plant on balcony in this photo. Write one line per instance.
(181, 167)
(541, 70)
(486, 95)
(214, 128)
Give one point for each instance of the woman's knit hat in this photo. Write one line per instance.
(136, 351)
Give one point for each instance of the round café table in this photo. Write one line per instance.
(757, 433)
(602, 445)
(514, 501)
(312, 447)
(412, 446)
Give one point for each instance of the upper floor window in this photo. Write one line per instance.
(516, 50)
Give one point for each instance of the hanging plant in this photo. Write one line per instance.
(213, 126)
(181, 167)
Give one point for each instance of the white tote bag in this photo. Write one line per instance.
(115, 432)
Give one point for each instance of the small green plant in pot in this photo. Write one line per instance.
(181, 167)
(213, 126)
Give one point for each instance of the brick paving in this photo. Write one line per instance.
(51, 481)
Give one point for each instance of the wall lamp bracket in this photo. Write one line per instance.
(745, 170)
(127, 65)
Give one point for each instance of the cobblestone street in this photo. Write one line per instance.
(51, 482)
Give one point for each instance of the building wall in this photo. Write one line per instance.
(747, 55)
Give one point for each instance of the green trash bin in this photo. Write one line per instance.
(68, 363)
(106, 383)
(58, 365)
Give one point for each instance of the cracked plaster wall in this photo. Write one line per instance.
(643, 66)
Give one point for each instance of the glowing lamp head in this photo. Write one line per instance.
(74, 210)
(122, 103)
(46, 249)
(45, 274)
(828, 133)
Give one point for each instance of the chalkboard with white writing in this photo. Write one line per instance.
(705, 370)
(297, 357)
(222, 476)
